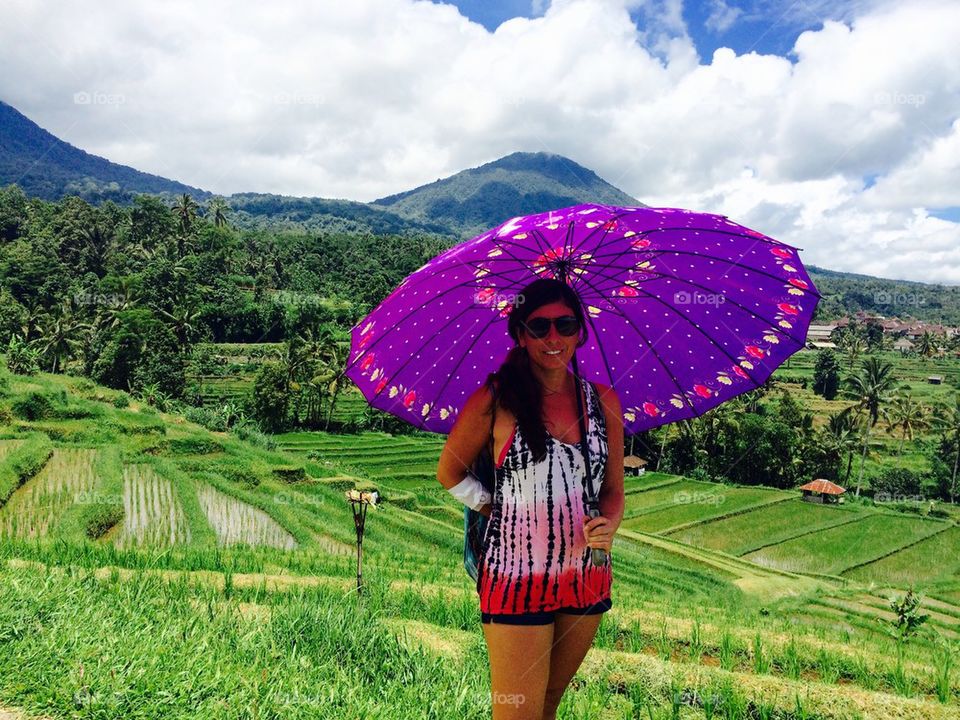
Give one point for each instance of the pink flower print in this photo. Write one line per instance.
(381, 385)
(754, 351)
(650, 409)
(409, 398)
(627, 291)
(366, 362)
(702, 391)
(484, 295)
(781, 252)
(788, 308)
(640, 244)
(798, 283)
(741, 373)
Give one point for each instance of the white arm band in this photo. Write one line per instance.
(471, 492)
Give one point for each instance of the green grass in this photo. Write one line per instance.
(767, 525)
(836, 549)
(230, 622)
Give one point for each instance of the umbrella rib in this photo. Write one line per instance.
(734, 263)
(595, 231)
(451, 373)
(459, 263)
(712, 291)
(695, 325)
(415, 354)
(405, 317)
(649, 346)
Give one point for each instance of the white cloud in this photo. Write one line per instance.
(365, 99)
(722, 16)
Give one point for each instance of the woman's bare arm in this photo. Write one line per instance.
(470, 433)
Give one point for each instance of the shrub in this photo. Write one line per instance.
(101, 519)
(23, 463)
(33, 406)
(206, 418)
(896, 484)
(194, 446)
(121, 400)
(290, 473)
(251, 434)
(78, 411)
(21, 358)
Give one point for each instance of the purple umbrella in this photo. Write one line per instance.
(686, 310)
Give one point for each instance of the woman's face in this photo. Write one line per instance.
(553, 350)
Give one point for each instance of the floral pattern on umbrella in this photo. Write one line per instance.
(685, 311)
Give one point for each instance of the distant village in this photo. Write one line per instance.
(907, 336)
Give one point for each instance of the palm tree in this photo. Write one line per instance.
(186, 211)
(907, 416)
(99, 241)
(183, 321)
(927, 345)
(109, 312)
(333, 360)
(853, 345)
(32, 321)
(217, 210)
(61, 335)
(947, 419)
(841, 435)
(870, 389)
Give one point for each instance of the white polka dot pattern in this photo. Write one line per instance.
(685, 310)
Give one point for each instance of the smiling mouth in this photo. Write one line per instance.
(552, 352)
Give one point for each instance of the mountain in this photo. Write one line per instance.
(518, 184)
(45, 166)
(466, 203)
(278, 212)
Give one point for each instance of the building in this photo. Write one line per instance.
(822, 491)
(632, 465)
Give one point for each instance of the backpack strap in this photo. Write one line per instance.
(493, 420)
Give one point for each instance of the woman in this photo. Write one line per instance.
(541, 597)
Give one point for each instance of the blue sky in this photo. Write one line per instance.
(767, 27)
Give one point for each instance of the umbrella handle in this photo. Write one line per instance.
(597, 555)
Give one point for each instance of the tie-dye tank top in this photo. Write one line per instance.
(535, 557)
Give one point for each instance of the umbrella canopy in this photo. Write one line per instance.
(685, 310)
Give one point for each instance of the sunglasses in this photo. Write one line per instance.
(538, 328)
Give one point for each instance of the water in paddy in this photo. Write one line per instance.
(68, 477)
(152, 514)
(236, 522)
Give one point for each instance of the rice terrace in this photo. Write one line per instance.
(140, 549)
(480, 360)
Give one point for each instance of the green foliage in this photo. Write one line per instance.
(21, 359)
(23, 463)
(290, 473)
(271, 397)
(896, 483)
(33, 406)
(826, 374)
(142, 351)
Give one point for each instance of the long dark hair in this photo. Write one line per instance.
(517, 388)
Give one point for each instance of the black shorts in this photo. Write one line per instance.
(545, 617)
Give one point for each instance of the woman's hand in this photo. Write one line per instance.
(599, 532)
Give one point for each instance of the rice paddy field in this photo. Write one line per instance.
(150, 568)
